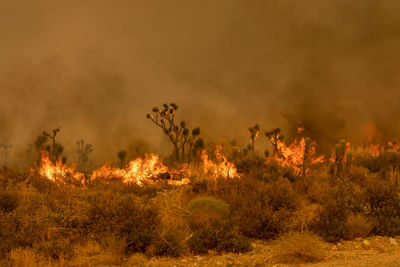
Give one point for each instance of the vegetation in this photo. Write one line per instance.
(83, 152)
(179, 135)
(296, 247)
(110, 222)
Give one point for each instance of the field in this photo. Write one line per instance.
(288, 206)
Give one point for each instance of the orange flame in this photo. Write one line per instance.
(140, 171)
(143, 171)
(59, 172)
(292, 155)
(222, 168)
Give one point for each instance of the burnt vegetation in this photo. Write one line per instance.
(285, 195)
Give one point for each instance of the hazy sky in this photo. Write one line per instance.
(95, 68)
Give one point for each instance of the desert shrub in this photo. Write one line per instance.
(55, 248)
(206, 210)
(8, 201)
(209, 219)
(147, 191)
(313, 187)
(383, 204)
(383, 162)
(199, 185)
(167, 245)
(252, 165)
(259, 209)
(335, 207)
(358, 225)
(221, 237)
(297, 247)
(42, 185)
(358, 175)
(234, 242)
(173, 228)
(124, 216)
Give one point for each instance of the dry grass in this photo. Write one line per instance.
(109, 253)
(358, 225)
(297, 247)
(26, 257)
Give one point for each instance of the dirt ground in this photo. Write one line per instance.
(373, 251)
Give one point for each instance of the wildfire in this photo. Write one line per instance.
(221, 168)
(298, 154)
(143, 171)
(140, 171)
(59, 172)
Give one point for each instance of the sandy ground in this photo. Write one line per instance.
(374, 251)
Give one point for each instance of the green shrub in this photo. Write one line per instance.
(205, 210)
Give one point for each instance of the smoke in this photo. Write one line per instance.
(95, 68)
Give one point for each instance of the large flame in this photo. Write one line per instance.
(140, 171)
(221, 168)
(293, 155)
(59, 172)
(143, 171)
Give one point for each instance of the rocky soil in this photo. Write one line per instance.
(373, 251)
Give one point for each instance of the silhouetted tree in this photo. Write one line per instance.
(198, 146)
(253, 134)
(192, 142)
(340, 152)
(55, 149)
(306, 155)
(83, 152)
(179, 135)
(275, 137)
(122, 157)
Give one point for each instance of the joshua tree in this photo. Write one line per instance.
(192, 141)
(340, 152)
(349, 160)
(306, 155)
(253, 134)
(55, 149)
(83, 152)
(122, 156)
(275, 137)
(197, 147)
(179, 135)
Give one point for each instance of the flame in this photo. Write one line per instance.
(59, 172)
(348, 147)
(292, 155)
(222, 168)
(139, 171)
(143, 171)
(300, 128)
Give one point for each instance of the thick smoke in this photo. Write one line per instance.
(95, 68)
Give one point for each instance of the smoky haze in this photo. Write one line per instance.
(95, 68)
